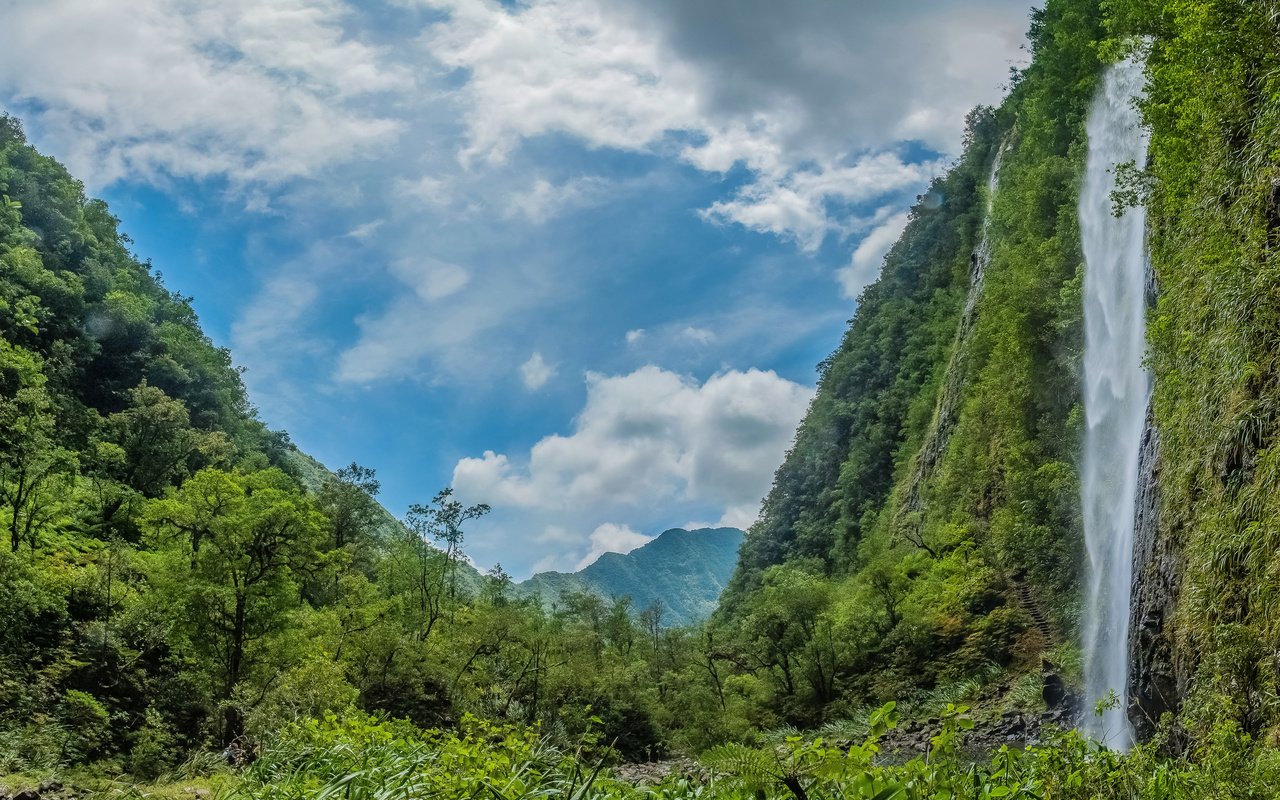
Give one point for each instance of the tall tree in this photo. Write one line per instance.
(236, 544)
(442, 520)
(347, 498)
(32, 465)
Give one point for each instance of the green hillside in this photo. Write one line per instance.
(932, 499)
(188, 603)
(176, 578)
(682, 572)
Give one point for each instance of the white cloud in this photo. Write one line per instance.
(629, 75)
(796, 205)
(865, 264)
(612, 538)
(429, 190)
(394, 342)
(455, 323)
(650, 448)
(699, 335)
(431, 279)
(634, 336)
(240, 89)
(545, 200)
(536, 372)
(571, 66)
(366, 230)
(649, 438)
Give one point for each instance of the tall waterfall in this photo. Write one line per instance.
(1116, 388)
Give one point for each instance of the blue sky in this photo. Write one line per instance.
(575, 258)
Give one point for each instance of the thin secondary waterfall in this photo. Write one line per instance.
(1116, 388)
(944, 419)
(978, 271)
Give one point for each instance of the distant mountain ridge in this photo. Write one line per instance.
(684, 570)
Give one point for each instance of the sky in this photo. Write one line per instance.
(576, 259)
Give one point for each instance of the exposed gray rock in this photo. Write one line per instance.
(1156, 684)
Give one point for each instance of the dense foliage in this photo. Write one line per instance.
(929, 504)
(177, 579)
(358, 758)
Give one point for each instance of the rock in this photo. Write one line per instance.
(651, 772)
(27, 794)
(1053, 687)
(50, 787)
(1156, 682)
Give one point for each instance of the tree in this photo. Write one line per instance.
(236, 543)
(32, 465)
(442, 520)
(497, 584)
(160, 446)
(347, 499)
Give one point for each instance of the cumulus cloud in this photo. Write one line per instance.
(650, 439)
(796, 205)
(635, 336)
(864, 266)
(536, 372)
(253, 92)
(612, 538)
(574, 66)
(811, 99)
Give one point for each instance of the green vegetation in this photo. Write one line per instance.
(177, 579)
(910, 558)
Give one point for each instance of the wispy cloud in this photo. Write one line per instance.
(864, 265)
(241, 90)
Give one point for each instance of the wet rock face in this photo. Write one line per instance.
(1054, 690)
(1155, 684)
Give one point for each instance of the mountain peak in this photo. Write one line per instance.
(684, 570)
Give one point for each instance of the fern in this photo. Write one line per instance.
(752, 769)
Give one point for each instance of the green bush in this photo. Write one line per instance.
(154, 749)
(86, 724)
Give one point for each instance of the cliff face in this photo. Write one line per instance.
(934, 482)
(1156, 683)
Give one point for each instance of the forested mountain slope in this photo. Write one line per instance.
(932, 496)
(175, 577)
(676, 578)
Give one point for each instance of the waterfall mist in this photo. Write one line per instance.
(1116, 388)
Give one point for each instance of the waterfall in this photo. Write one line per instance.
(982, 256)
(1116, 389)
